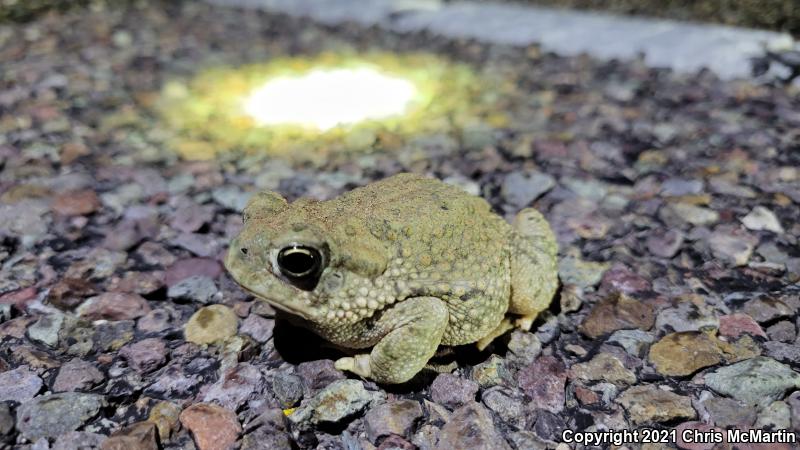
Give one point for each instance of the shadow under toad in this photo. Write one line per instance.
(296, 345)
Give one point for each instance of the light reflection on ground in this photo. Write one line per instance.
(324, 99)
(308, 108)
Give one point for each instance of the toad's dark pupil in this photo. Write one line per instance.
(299, 262)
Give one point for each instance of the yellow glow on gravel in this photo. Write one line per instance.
(312, 108)
(326, 98)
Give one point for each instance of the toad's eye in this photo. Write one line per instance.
(301, 265)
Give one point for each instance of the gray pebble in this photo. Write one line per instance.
(507, 404)
(56, 414)
(783, 331)
(257, 327)
(231, 197)
(524, 347)
(20, 384)
(46, 329)
(633, 341)
(77, 375)
(339, 400)
(197, 288)
(453, 391)
(397, 417)
(782, 351)
(755, 381)
(6, 419)
(521, 189)
(471, 427)
(288, 388)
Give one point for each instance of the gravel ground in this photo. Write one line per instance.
(674, 198)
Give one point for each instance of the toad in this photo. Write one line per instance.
(395, 269)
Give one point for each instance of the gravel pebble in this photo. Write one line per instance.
(471, 426)
(192, 267)
(76, 203)
(665, 244)
(695, 215)
(288, 388)
(68, 293)
(231, 197)
(56, 414)
(114, 306)
(633, 341)
(6, 419)
(775, 416)
(397, 417)
(783, 331)
(603, 367)
(213, 427)
(766, 309)
(211, 324)
(617, 312)
(139, 436)
(19, 384)
(146, 355)
(754, 381)
(166, 417)
(200, 289)
(318, 374)
(732, 245)
(46, 329)
(549, 426)
(453, 391)
(270, 432)
(336, 402)
(543, 381)
(191, 217)
(236, 385)
(491, 372)
(507, 404)
(781, 351)
(794, 404)
(524, 347)
(520, 189)
(111, 336)
(650, 404)
(573, 270)
(683, 353)
(77, 375)
(155, 321)
(734, 325)
(620, 278)
(727, 412)
(761, 218)
(687, 316)
(258, 328)
(79, 440)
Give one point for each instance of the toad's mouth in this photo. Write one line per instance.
(302, 311)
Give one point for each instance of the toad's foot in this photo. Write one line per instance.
(524, 323)
(358, 364)
(498, 331)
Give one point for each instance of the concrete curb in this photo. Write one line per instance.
(683, 47)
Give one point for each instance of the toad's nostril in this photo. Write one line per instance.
(243, 250)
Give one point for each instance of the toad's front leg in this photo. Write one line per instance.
(412, 331)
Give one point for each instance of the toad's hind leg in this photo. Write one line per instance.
(534, 267)
(411, 330)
